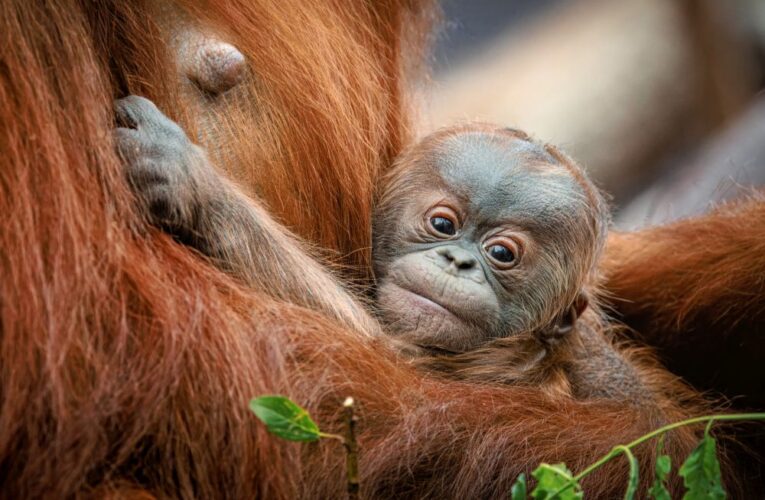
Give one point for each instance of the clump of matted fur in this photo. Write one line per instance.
(519, 360)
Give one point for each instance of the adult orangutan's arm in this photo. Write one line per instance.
(695, 289)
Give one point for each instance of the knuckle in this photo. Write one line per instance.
(146, 174)
(166, 132)
(139, 102)
(129, 153)
(137, 110)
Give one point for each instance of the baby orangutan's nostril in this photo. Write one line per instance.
(466, 263)
(461, 259)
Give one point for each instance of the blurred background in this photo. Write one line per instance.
(661, 100)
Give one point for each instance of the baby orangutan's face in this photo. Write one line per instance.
(479, 236)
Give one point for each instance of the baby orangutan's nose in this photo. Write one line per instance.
(458, 257)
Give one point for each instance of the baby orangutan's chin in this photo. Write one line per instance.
(421, 321)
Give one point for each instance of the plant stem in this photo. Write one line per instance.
(332, 436)
(627, 448)
(661, 430)
(351, 450)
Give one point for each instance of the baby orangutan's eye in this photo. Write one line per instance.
(443, 225)
(503, 252)
(442, 221)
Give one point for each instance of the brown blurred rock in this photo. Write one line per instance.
(730, 166)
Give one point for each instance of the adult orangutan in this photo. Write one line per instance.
(127, 359)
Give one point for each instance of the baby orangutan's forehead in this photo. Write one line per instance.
(506, 177)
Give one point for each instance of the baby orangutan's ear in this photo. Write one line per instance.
(581, 302)
(568, 319)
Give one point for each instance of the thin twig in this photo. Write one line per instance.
(351, 450)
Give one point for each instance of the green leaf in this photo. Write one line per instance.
(658, 490)
(285, 419)
(518, 490)
(555, 482)
(632, 484)
(701, 472)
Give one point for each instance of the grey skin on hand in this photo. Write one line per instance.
(183, 194)
(168, 173)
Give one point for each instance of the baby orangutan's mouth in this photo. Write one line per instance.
(420, 315)
(426, 302)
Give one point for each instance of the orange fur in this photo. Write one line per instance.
(695, 290)
(724, 252)
(128, 361)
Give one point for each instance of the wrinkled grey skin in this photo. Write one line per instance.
(171, 174)
(497, 184)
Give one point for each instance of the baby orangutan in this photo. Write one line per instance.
(485, 246)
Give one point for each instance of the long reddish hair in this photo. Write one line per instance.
(127, 361)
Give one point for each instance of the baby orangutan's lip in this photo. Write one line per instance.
(427, 302)
(459, 307)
